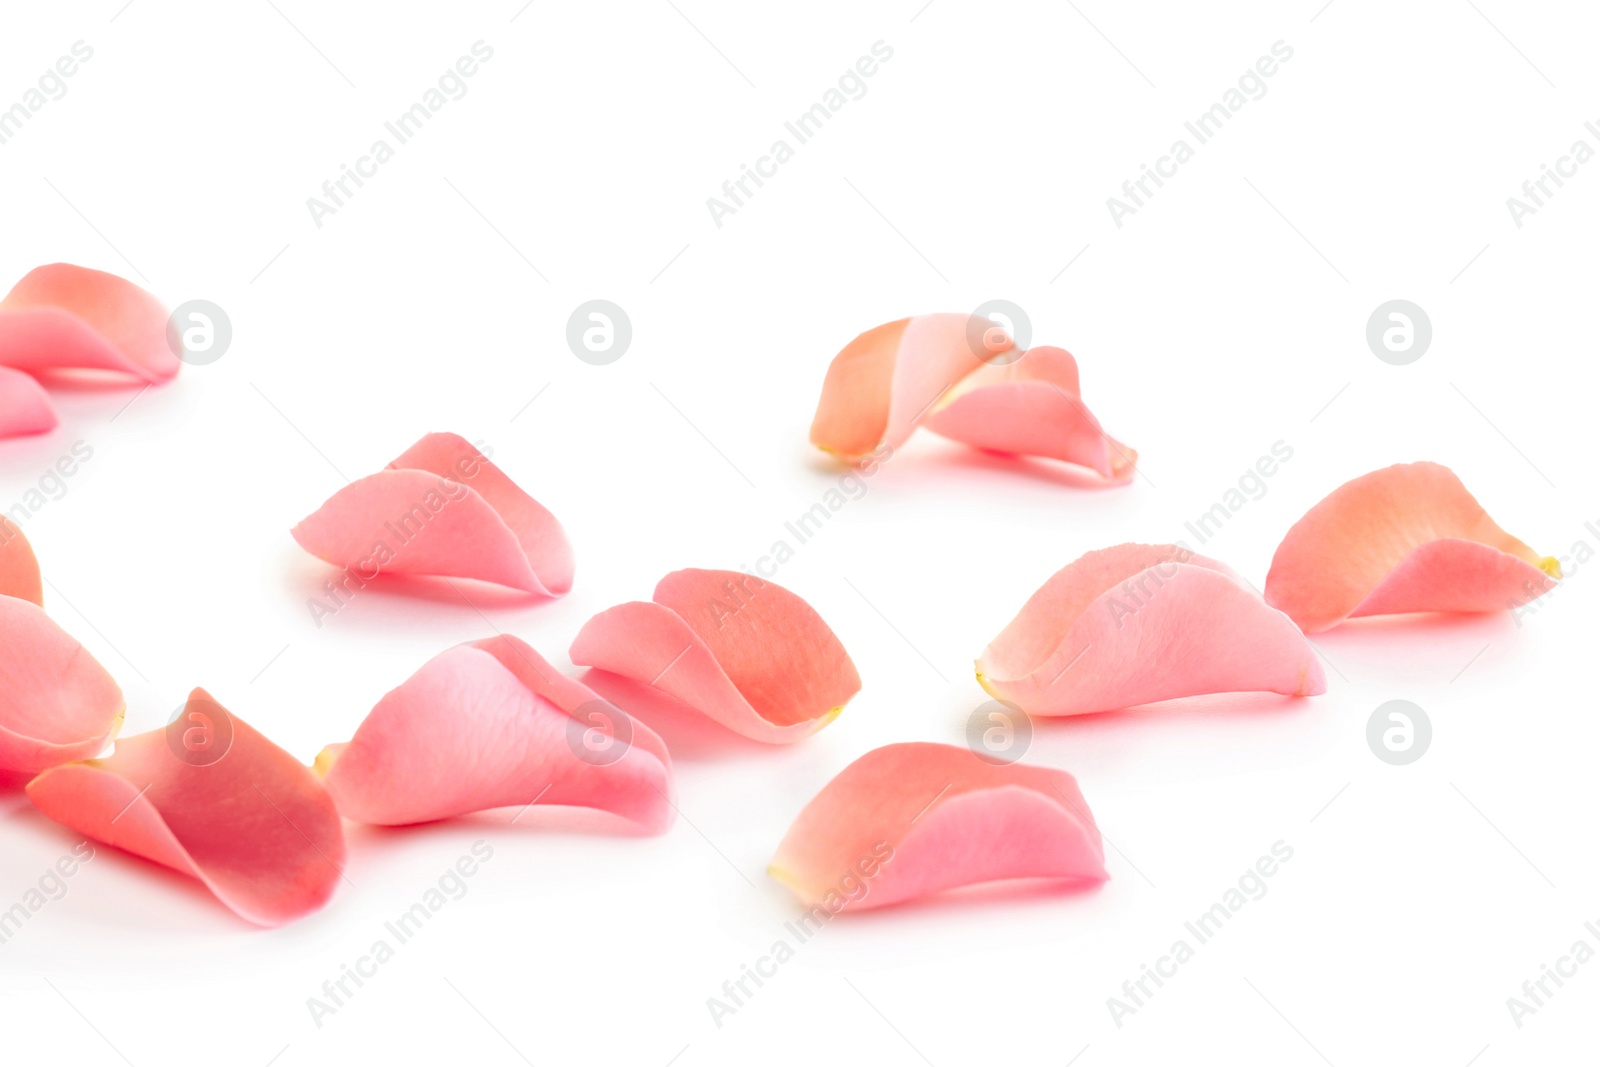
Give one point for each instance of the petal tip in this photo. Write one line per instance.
(325, 760)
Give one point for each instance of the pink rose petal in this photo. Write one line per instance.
(211, 798)
(913, 819)
(1030, 406)
(744, 651)
(1406, 538)
(56, 702)
(67, 317)
(19, 569)
(441, 509)
(882, 383)
(25, 408)
(490, 724)
(1135, 624)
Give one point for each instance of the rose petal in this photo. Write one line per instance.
(882, 383)
(65, 316)
(56, 702)
(25, 407)
(746, 652)
(211, 798)
(1402, 539)
(537, 531)
(441, 509)
(1031, 407)
(490, 725)
(1135, 624)
(913, 819)
(19, 569)
(1452, 574)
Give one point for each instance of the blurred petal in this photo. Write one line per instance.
(25, 408)
(19, 569)
(56, 702)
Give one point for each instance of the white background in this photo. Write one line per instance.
(1226, 315)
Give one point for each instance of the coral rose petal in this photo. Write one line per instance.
(490, 725)
(746, 652)
(211, 798)
(1407, 538)
(913, 819)
(442, 509)
(19, 569)
(25, 407)
(1031, 407)
(56, 702)
(67, 317)
(882, 383)
(1136, 624)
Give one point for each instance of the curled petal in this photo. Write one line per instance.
(1030, 406)
(881, 384)
(538, 533)
(1135, 624)
(441, 509)
(746, 652)
(56, 702)
(25, 408)
(211, 798)
(19, 569)
(1402, 539)
(913, 819)
(66, 317)
(490, 725)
